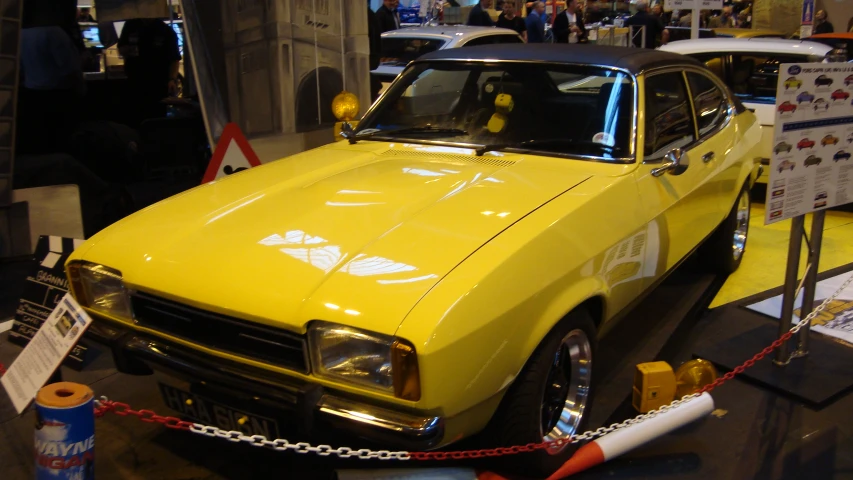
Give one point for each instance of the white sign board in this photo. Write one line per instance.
(42, 356)
(669, 5)
(811, 166)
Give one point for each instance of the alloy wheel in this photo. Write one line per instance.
(741, 225)
(567, 389)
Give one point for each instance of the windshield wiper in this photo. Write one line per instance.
(544, 142)
(428, 129)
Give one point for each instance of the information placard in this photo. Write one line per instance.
(811, 168)
(42, 356)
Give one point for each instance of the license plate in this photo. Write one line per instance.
(210, 412)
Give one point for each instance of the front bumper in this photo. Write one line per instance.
(310, 404)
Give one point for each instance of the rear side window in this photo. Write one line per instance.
(669, 121)
(750, 76)
(709, 102)
(492, 39)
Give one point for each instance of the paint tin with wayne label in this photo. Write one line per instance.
(65, 432)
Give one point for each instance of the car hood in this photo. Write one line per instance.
(350, 233)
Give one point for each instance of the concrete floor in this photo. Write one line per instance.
(763, 265)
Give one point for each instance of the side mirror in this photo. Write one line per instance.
(673, 162)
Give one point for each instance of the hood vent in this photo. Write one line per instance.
(452, 157)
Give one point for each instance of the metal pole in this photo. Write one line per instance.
(694, 23)
(810, 281)
(789, 294)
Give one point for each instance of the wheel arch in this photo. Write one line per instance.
(593, 302)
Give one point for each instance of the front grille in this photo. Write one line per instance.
(220, 332)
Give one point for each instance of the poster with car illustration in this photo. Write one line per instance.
(811, 167)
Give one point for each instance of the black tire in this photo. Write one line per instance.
(717, 254)
(518, 418)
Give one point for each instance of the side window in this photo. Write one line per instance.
(508, 39)
(492, 39)
(715, 63)
(669, 122)
(709, 101)
(763, 73)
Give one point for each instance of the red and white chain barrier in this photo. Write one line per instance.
(104, 406)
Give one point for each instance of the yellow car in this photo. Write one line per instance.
(747, 33)
(449, 268)
(793, 82)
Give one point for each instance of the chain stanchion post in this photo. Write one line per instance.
(789, 294)
(810, 281)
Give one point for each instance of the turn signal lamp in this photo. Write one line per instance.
(404, 365)
(692, 376)
(656, 384)
(345, 106)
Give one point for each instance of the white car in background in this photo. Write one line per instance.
(399, 47)
(750, 68)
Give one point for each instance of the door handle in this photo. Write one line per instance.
(708, 157)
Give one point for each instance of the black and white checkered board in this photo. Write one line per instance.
(45, 287)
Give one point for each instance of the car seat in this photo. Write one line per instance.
(741, 73)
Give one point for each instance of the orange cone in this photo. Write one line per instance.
(587, 456)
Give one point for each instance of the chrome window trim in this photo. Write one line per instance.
(730, 106)
(702, 71)
(632, 143)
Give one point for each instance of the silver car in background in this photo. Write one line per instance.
(399, 47)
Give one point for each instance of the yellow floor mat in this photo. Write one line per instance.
(763, 265)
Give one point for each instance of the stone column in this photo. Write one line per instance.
(783, 15)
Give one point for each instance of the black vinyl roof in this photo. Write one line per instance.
(634, 60)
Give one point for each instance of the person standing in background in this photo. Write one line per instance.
(535, 23)
(84, 14)
(821, 25)
(568, 26)
(654, 27)
(151, 62)
(388, 17)
(657, 11)
(52, 84)
(724, 20)
(743, 20)
(509, 19)
(479, 17)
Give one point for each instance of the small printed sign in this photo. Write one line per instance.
(692, 4)
(45, 351)
(44, 288)
(811, 166)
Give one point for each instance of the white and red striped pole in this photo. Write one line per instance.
(626, 439)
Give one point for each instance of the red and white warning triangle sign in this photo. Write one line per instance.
(233, 154)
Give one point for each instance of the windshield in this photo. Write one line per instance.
(401, 51)
(555, 109)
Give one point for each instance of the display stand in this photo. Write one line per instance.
(812, 373)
